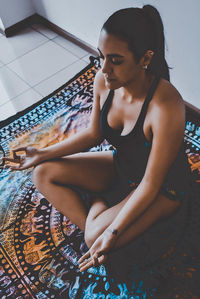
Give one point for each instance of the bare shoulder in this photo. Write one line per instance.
(166, 114)
(168, 101)
(100, 89)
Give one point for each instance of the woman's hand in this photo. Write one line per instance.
(31, 158)
(98, 252)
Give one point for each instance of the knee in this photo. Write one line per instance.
(168, 206)
(40, 173)
(91, 234)
(89, 239)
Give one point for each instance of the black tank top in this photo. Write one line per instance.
(133, 149)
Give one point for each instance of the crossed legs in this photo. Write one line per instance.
(94, 172)
(100, 217)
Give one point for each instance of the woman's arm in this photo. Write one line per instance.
(167, 124)
(85, 139)
(81, 141)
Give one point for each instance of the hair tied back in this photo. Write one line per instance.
(158, 62)
(147, 35)
(146, 10)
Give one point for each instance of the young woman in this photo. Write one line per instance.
(142, 115)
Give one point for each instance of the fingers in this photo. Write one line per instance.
(95, 260)
(10, 159)
(92, 261)
(20, 149)
(102, 258)
(17, 159)
(86, 265)
(85, 256)
(17, 167)
(15, 156)
(12, 167)
(81, 265)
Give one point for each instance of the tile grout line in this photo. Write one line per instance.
(43, 33)
(69, 50)
(27, 52)
(48, 40)
(7, 65)
(11, 99)
(20, 56)
(33, 87)
(41, 80)
(57, 72)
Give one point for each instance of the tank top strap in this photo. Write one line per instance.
(147, 101)
(108, 101)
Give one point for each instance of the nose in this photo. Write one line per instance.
(106, 67)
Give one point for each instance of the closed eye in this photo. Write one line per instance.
(116, 60)
(113, 60)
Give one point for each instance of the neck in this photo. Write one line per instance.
(137, 89)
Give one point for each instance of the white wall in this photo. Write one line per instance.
(14, 11)
(182, 29)
(84, 18)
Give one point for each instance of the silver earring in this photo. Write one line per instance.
(144, 67)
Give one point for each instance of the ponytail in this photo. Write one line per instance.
(158, 63)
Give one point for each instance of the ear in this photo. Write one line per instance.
(146, 59)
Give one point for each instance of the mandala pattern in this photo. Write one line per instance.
(39, 247)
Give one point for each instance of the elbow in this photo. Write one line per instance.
(152, 188)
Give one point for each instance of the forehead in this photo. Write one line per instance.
(111, 43)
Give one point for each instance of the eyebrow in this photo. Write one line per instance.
(111, 55)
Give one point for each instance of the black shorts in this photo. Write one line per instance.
(120, 188)
(167, 190)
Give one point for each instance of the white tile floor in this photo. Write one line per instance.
(33, 63)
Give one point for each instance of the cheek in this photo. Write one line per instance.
(125, 74)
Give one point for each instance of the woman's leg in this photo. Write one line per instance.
(96, 223)
(93, 171)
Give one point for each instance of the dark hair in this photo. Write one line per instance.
(142, 29)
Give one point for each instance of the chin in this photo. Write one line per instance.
(112, 84)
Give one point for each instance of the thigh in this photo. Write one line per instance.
(93, 171)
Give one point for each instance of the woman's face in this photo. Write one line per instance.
(117, 61)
